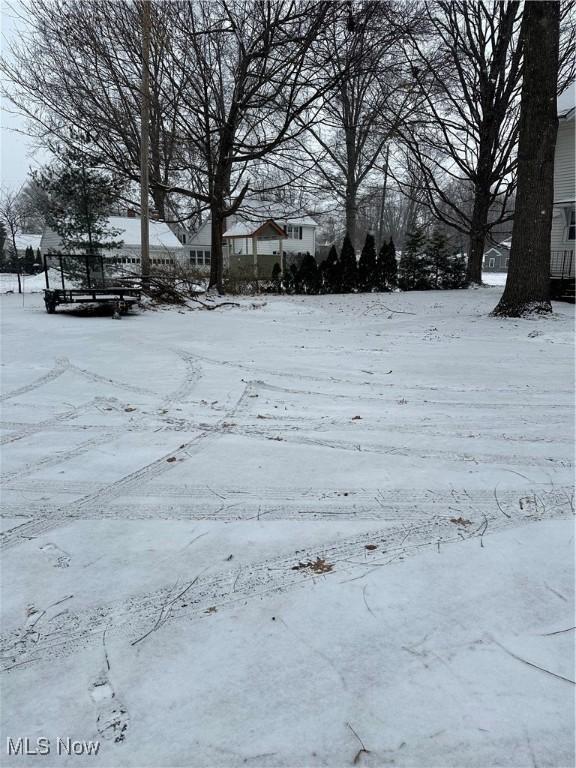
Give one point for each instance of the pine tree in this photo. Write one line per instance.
(414, 268)
(437, 252)
(349, 266)
(77, 203)
(309, 275)
(331, 271)
(29, 261)
(456, 276)
(367, 265)
(387, 267)
(276, 278)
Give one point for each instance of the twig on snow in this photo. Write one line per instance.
(362, 750)
(366, 601)
(531, 664)
(558, 632)
(500, 506)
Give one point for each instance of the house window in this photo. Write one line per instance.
(491, 263)
(571, 225)
(507, 260)
(183, 238)
(293, 232)
(199, 258)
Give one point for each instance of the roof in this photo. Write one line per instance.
(128, 228)
(566, 103)
(24, 239)
(251, 228)
(160, 234)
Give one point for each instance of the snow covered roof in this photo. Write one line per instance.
(24, 239)
(160, 234)
(250, 228)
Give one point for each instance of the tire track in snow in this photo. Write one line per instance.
(43, 426)
(104, 494)
(62, 365)
(10, 479)
(191, 377)
(134, 617)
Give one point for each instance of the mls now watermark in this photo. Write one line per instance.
(44, 746)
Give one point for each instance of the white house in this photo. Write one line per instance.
(261, 234)
(564, 216)
(165, 247)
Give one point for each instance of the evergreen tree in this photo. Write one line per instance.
(437, 252)
(309, 275)
(387, 267)
(276, 278)
(414, 267)
(2, 237)
(367, 277)
(331, 271)
(349, 266)
(29, 261)
(456, 276)
(77, 202)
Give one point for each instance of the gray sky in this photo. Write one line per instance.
(16, 150)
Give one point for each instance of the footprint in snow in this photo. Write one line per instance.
(112, 721)
(56, 556)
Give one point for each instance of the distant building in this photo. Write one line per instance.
(165, 247)
(255, 238)
(497, 257)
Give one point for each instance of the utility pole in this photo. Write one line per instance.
(383, 201)
(145, 145)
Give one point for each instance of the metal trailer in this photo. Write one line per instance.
(96, 287)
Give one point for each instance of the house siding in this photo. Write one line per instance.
(562, 249)
(565, 161)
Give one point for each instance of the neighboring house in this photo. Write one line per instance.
(564, 215)
(165, 247)
(496, 258)
(24, 240)
(260, 235)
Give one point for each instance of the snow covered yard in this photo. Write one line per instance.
(326, 531)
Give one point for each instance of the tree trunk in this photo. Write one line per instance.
(351, 211)
(476, 243)
(217, 255)
(528, 283)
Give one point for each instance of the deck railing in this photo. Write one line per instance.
(562, 264)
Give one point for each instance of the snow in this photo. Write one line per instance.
(30, 283)
(494, 278)
(242, 537)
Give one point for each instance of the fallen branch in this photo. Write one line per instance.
(558, 632)
(362, 750)
(531, 664)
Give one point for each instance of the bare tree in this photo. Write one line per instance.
(528, 282)
(77, 65)
(468, 71)
(248, 89)
(13, 215)
(371, 96)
